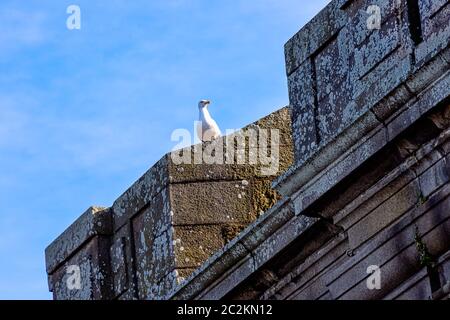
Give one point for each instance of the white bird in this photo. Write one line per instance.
(207, 128)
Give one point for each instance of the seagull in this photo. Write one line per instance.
(207, 128)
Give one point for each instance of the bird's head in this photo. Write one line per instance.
(203, 103)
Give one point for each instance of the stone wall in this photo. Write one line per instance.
(367, 183)
(370, 184)
(173, 218)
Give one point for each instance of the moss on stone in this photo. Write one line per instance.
(263, 197)
(230, 231)
(425, 258)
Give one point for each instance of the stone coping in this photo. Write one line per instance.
(94, 221)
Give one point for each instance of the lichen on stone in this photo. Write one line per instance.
(230, 231)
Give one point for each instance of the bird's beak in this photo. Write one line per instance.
(207, 102)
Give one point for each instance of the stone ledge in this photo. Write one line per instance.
(299, 174)
(315, 265)
(411, 282)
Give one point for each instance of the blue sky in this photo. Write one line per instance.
(84, 113)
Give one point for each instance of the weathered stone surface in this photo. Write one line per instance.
(373, 198)
(424, 161)
(165, 288)
(217, 264)
(444, 267)
(427, 75)
(152, 238)
(334, 84)
(404, 119)
(417, 166)
(332, 65)
(381, 82)
(313, 291)
(377, 46)
(281, 120)
(263, 196)
(395, 126)
(157, 217)
(314, 35)
(359, 21)
(121, 262)
(233, 277)
(385, 214)
(429, 49)
(91, 264)
(436, 31)
(354, 68)
(196, 243)
(269, 222)
(317, 187)
(154, 259)
(127, 296)
(184, 273)
(434, 178)
(281, 239)
(396, 249)
(301, 173)
(415, 288)
(239, 248)
(302, 96)
(141, 193)
(207, 202)
(391, 103)
(95, 221)
(429, 8)
(234, 152)
(60, 279)
(314, 267)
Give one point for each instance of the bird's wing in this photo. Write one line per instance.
(209, 128)
(213, 128)
(200, 130)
